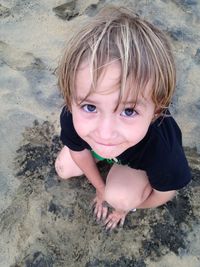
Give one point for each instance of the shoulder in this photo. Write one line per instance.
(68, 135)
(164, 140)
(167, 166)
(65, 116)
(66, 121)
(166, 131)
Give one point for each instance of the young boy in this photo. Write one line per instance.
(117, 78)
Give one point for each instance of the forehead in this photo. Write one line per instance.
(109, 81)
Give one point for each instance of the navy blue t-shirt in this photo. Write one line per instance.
(159, 153)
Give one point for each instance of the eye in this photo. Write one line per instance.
(129, 112)
(89, 108)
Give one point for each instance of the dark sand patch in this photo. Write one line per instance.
(50, 222)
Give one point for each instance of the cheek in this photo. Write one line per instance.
(80, 129)
(135, 137)
(136, 133)
(80, 125)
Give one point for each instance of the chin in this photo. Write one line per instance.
(107, 155)
(107, 152)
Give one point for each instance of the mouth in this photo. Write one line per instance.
(106, 144)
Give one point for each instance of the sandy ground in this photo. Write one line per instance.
(44, 222)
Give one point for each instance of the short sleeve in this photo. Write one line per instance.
(170, 171)
(68, 135)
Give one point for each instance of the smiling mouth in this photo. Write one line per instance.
(106, 144)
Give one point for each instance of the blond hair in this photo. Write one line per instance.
(119, 34)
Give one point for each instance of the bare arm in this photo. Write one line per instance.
(157, 198)
(87, 164)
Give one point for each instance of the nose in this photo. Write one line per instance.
(106, 129)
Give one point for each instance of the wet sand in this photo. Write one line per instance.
(46, 222)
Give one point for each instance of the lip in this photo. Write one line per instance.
(106, 144)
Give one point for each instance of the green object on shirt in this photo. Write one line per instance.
(110, 161)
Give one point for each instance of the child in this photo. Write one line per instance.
(117, 78)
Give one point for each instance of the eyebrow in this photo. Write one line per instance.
(136, 103)
(82, 99)
(124, 103)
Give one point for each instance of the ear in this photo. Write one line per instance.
(158, 112)
(156, 115)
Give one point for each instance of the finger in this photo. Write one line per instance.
(99, 213)
(109, 221)
(109, 218)
(109, 225)
(92, 203)
(114, 225)
(122, 221)
(104, 213)
(95, 210)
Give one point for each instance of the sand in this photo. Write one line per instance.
(44, 222)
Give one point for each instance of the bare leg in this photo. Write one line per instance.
(126, 188)
(65, 166)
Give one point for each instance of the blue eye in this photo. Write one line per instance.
(89, 108)
(128, 112)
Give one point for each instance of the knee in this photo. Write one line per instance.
(119, 200)
(61, 169)
(124, 200)
(66, 168)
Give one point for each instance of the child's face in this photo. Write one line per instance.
(109, 132)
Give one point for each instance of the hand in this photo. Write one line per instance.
(115, 218)
(100, 207)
